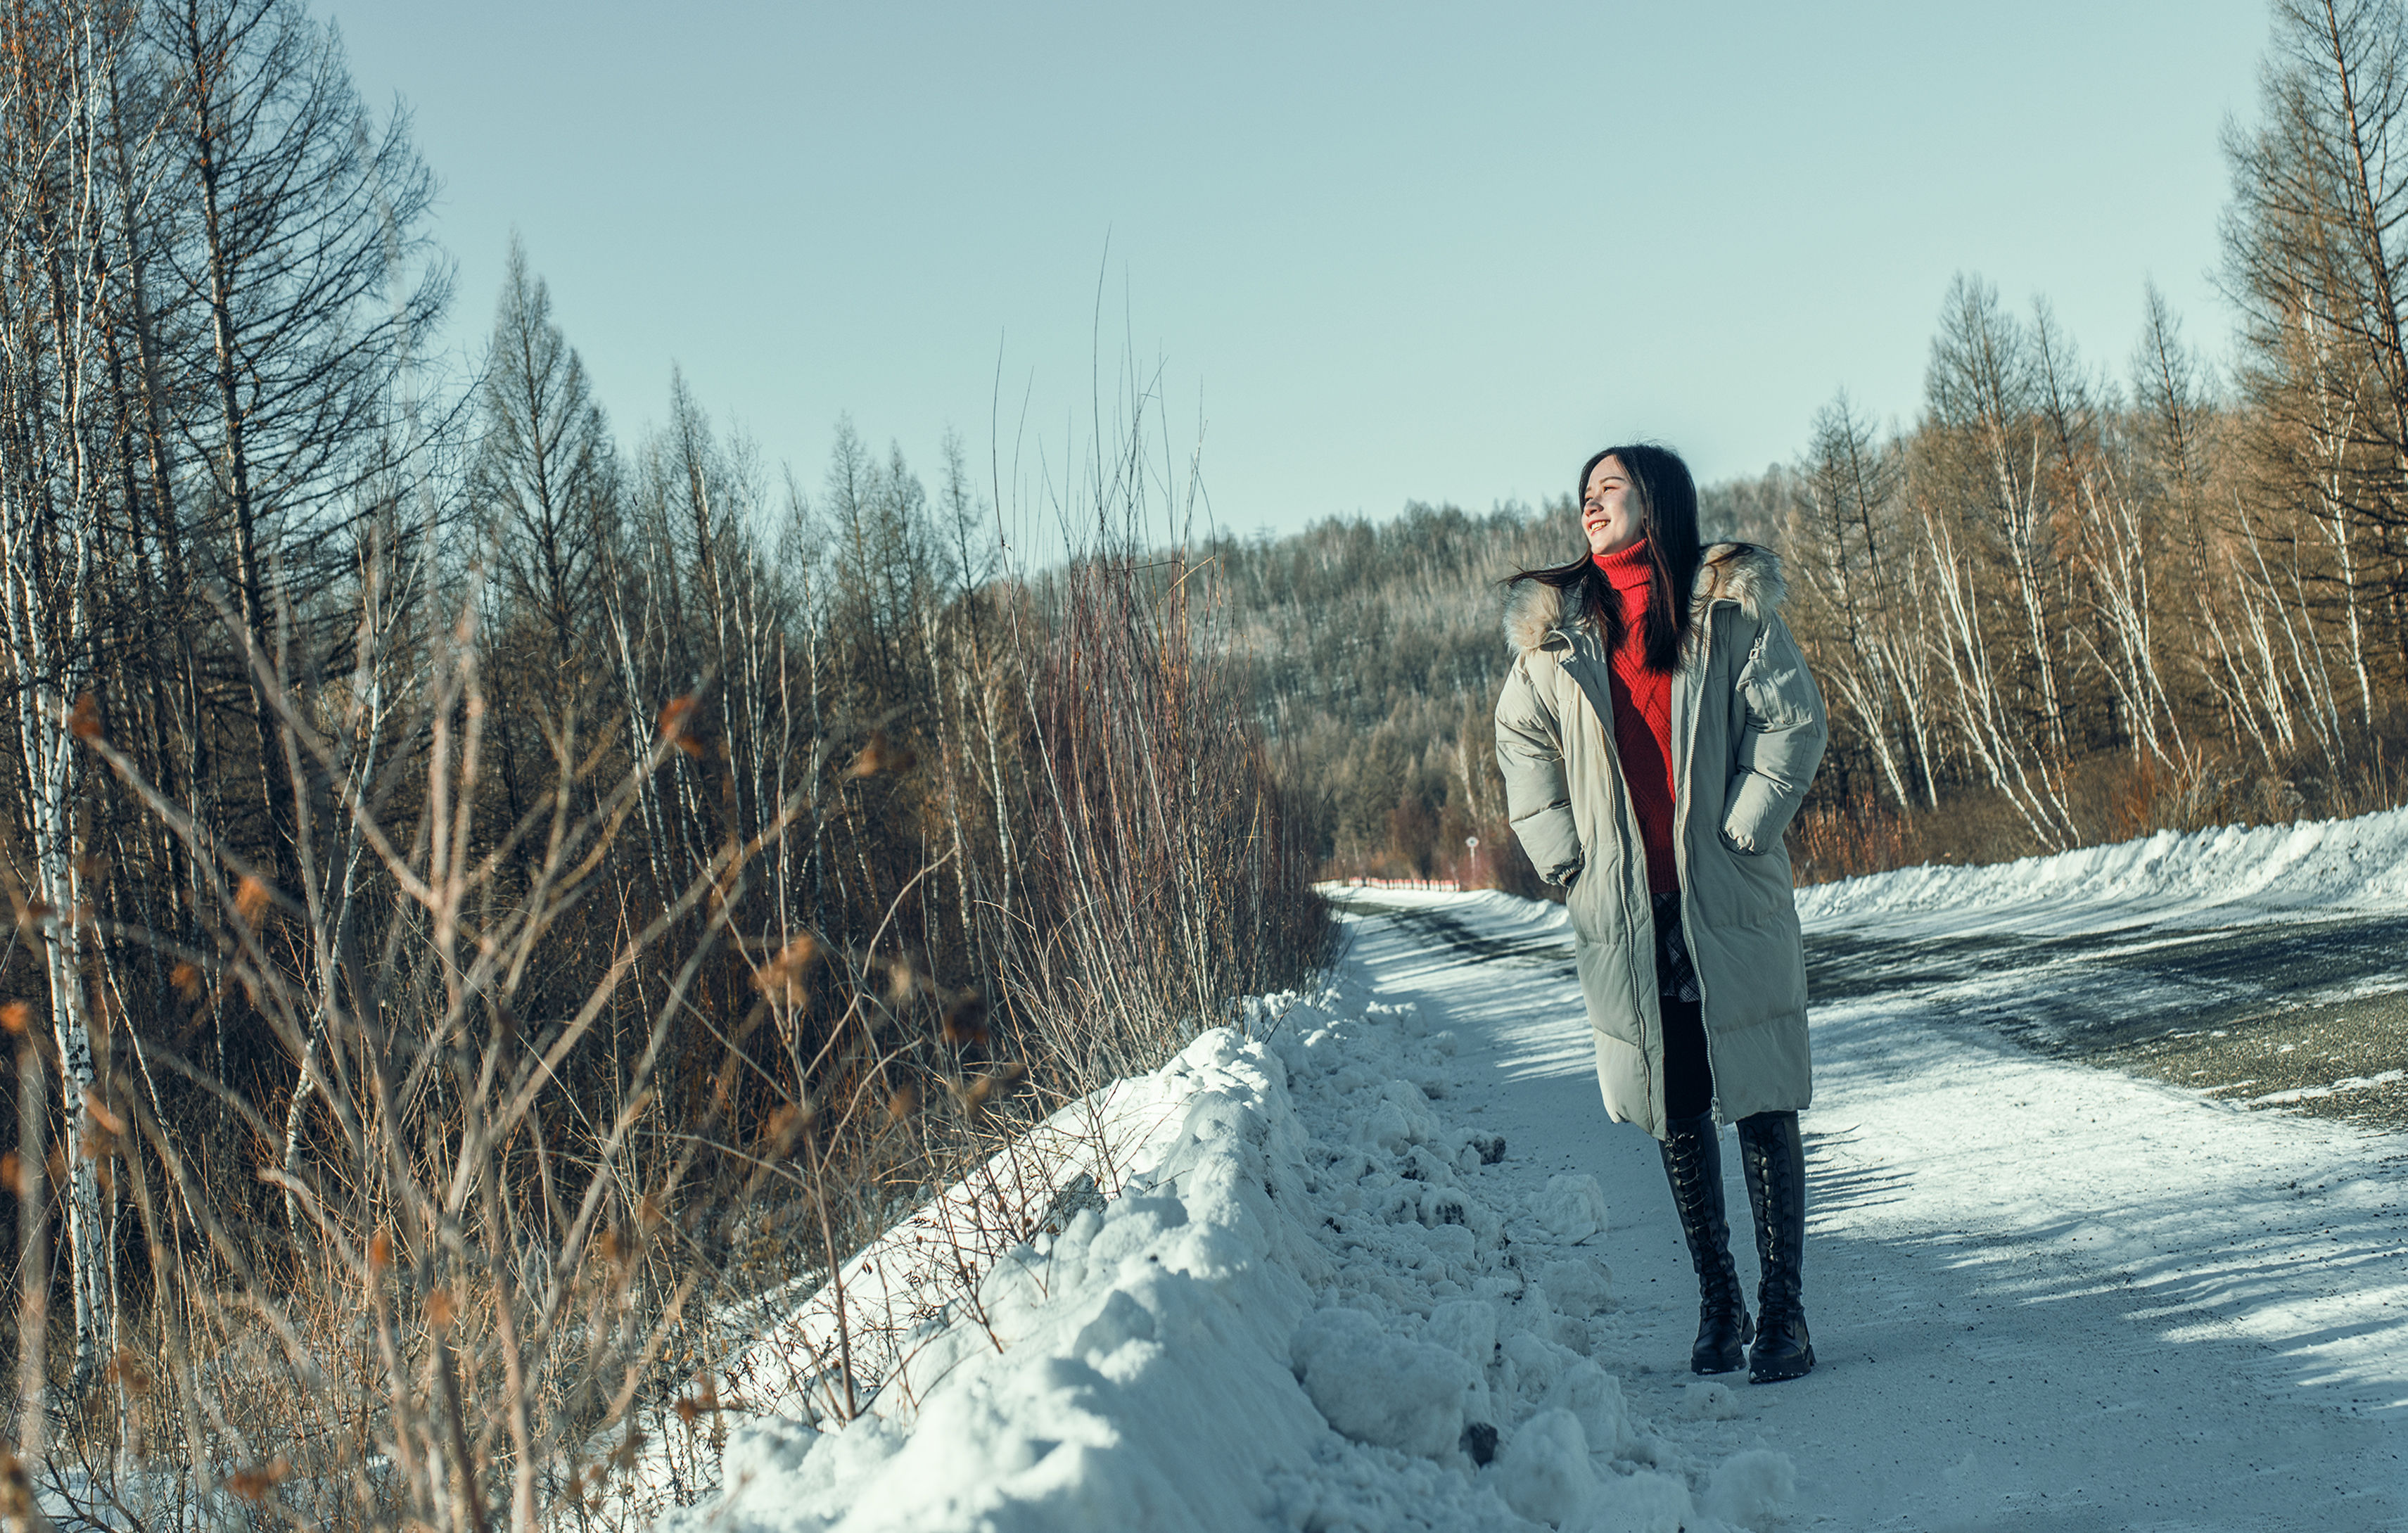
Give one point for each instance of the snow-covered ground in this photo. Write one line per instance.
(1398, 1238)
(1329, 1297)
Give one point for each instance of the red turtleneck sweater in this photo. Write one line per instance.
(1643, 717)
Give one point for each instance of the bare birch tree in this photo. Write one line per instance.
(1844, 546)
(55, 440)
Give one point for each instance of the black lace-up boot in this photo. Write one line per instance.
(1693, 1163)
(1774, 1159)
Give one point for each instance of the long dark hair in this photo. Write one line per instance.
(1668, 510)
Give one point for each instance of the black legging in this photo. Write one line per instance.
(1688, 1073)
(1688, 1077)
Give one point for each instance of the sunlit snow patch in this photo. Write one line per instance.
(1317, 1302)
(2226, 875)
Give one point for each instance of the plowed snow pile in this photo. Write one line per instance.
(1327, 1300)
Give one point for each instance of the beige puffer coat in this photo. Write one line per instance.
(1747, 733)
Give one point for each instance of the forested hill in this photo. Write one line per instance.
(1372, 653)
(2028, 636)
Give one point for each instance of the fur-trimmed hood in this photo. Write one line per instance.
(1739, 572)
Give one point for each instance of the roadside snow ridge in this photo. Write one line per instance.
(1325, 1304)
(2209, 877)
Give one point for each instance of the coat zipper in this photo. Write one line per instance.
(1647, 994)
(1684, 779)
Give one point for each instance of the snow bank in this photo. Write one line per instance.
(1320, 1302)
(901, 1289)
(2219, 877)
(2210, 877)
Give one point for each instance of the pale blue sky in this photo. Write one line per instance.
(1380, 252)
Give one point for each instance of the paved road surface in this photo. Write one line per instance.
(2299, 1016)
(2310, 1016)
(2046, 1296)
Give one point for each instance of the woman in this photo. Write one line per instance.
(1657, 733)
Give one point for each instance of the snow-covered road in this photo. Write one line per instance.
(2043, 1295)
(1352, 1273)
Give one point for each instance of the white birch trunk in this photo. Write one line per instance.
(51, 295)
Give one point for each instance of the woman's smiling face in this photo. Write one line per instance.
(1610, 508)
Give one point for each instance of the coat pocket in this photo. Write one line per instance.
(1759, 881)
(1593, 900)
(1580, 898)
(1608, 992)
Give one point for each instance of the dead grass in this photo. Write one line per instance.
(474, 1263)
